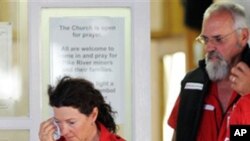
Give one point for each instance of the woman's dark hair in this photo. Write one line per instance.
(80, 94)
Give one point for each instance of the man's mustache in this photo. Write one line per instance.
(214, 54)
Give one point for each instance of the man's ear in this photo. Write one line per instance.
(244, 36)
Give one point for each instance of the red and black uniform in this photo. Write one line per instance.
(213, 122)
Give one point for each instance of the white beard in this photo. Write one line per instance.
(216, 70)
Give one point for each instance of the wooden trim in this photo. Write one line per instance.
(163, 32)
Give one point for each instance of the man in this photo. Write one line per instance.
(206, 99)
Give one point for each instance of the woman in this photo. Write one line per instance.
(80, 112)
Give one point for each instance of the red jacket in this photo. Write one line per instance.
(105, 135)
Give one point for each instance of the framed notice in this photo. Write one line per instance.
(93, 43)
(93, 48)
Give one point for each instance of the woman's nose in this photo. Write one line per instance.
(63, 130)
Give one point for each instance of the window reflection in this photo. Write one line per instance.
(14, 92)
(10, 83)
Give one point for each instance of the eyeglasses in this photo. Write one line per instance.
(216, 40)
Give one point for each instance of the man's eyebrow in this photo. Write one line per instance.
(216, 36)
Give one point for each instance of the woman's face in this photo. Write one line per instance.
(74, 126)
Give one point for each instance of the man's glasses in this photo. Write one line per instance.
(216, 40)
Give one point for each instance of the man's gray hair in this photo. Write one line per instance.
(237, 11)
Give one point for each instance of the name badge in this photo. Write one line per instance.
(193, 86)
(209, 107)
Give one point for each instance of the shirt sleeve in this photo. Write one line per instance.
(172, 120)
(241, 112)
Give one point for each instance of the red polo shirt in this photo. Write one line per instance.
(213, 121)
(105, 135)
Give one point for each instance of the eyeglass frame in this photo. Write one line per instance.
(217, 40)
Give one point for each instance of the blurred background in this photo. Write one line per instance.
(173, 53)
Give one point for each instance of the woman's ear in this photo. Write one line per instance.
(94, 114)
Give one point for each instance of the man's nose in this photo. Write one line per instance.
(209, 46)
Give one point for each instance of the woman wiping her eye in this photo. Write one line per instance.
(80, 112)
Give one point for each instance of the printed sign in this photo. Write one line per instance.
(92, 48)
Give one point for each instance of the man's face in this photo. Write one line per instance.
(222, 44)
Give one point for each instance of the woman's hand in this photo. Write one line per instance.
(46, 131)
(240, 78)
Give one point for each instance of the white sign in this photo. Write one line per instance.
(93, 48)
